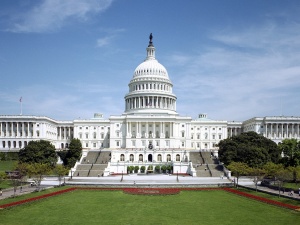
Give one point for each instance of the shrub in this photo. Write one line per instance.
(143, 168)
(136, 169)
(157, 168)
(164, 168)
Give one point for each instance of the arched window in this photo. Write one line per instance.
(122, 158)
(62, 145)
(177, 157)
(131, 157)
(159, 158)
(168, 158)
(141, 157)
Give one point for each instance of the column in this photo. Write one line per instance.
(23, 127)
(28, 129)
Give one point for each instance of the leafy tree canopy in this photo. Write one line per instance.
(250, 148)
(38, 152)
(291, 151)
(73, 154)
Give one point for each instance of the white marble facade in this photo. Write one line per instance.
(149, 119)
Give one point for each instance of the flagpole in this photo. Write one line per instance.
(21, 105)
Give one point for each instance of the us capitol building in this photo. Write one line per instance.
(150, 130)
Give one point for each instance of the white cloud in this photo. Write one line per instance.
(112, 34)
(51, 15)
(101, 42)
(245, 76)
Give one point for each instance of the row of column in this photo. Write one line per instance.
(64, 133)
(13, 144)
(137, 132)
(281, 130)
(233, 131)
(16, 129)
(158, 157)
(151, 86)
(150, 102)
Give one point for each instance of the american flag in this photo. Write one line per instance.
(21, 99)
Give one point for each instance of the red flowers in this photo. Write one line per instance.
(265, 200)
(36, 198)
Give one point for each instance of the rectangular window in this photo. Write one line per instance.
(94, 145)
(220, 136)
(87, 145)
(214, 136)
(182, 144)
(118, 143)
(86, 136)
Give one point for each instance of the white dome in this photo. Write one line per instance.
(151, 67)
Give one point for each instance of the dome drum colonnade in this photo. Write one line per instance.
(150, 87)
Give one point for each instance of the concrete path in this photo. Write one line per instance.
(141, 180)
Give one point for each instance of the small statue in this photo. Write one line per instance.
(150, 37)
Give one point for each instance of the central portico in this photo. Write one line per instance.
(150, 119)
(150, 133)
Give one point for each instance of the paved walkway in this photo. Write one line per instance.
(7, 193)
(141, 180)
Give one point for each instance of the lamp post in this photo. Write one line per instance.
(177, 176)
(122, 176)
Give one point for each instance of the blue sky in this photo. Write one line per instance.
(231, 59)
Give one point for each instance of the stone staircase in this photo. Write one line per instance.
(205, 164)
(93, 164)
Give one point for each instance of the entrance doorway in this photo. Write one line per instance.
(150, 158)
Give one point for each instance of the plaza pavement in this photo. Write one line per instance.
(135, 180)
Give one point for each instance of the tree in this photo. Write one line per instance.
(291, 151)
(60, 171)
(157, 168)
(2, 176)
(22, 171)
(37, 171)
(272, 168)
(295, 172)
(250, 148)
(282, 176)
(38, 152)
(136, 169)
(238, 169)
(258, 174)
(164, 168)
(73, 154)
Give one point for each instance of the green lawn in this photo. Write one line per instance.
(115, 207)
(7, 165)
